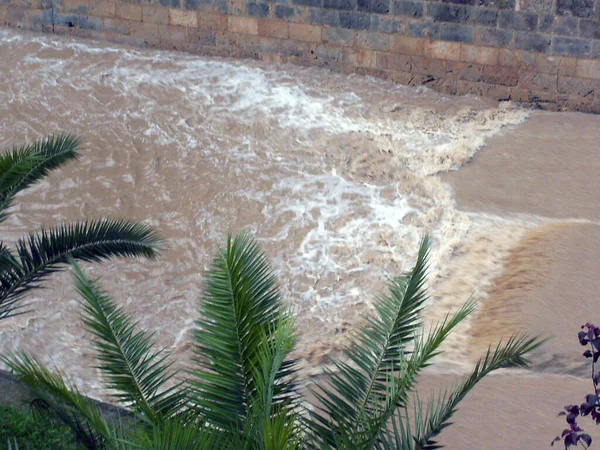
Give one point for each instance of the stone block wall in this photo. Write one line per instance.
(545, 52)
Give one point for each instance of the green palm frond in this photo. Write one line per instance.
(173, 434)
(240, 331)
(22, 166)
(359, 387)
(441, 409)
(48, 251)
(62, 399)
(136, 372)
(272, 426)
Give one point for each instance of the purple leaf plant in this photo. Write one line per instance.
(573, 435)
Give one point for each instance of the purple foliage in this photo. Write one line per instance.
(573, 435)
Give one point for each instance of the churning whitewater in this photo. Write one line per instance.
(334, 174)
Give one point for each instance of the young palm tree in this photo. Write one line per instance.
(243, 392)
(49, 250)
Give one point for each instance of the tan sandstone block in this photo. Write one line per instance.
(588, 68)
(480, 55)
(102, 8)
(273, 28)
(360, 58)
(443, 50)
(155, 14)
(306, 33)
(243, 25)
(129, 11)
(407, 45)
(212, 21)
(183, 18)
(70, 6)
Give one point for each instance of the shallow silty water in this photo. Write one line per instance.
(335, 175)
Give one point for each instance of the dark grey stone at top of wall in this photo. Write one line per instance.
(578, 8)
(565, 27)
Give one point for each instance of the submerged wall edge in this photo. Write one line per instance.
(545, 52)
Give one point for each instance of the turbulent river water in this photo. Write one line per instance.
(335, 175)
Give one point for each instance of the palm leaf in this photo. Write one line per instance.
(241, 317)
(508, 355)
(62, 399)
(22, 166)
(49, 250)
(133, 369)
(360, 386)
(172, 434)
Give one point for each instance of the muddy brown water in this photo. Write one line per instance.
(337, 176)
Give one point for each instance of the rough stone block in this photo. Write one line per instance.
(374, 6)
(102, 8)
(391, 61)
(255, 9)
(589, 28)
(517, 59)
(556, 65)
(543, 82)
(359, 57)
(389, 25)
(407, 45)
(155, 14)
(129, 11)
(243, 25)
(428, 30)
(91, 23)
(533, 42)
(442, 50)
(146, 33)
(345, 5)
(315, 3)
(116, 26)
(545, 23)
(74, 6)
(338, 36)
(457, 33)
(183, 18)
(486, 16)
(493, 37)
(326, 17)
(273, 28)
(62, 20)
(355, 20)
(501, 93)
(480, 55)
(327, 54)
(537, 6)
(565, 26)
(306, 33)
(595, 52)
(570, 47)
(464, 71)
(428, 66)
(373, 41)
(287, 12)
(578, 8)
(518, 21)
(577, 87)
(408, 8)
(503, 76)
(443, 12)
(170, 3)
(588, 68)
(212, 21)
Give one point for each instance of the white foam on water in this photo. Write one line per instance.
(199, 146)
